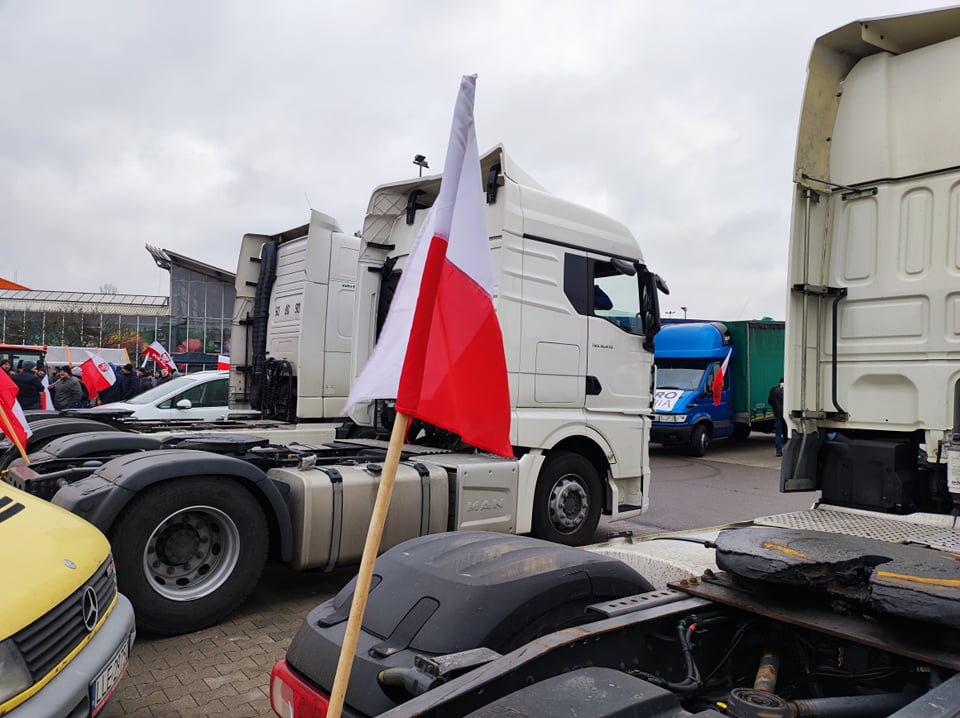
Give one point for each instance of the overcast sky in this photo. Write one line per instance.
(186, 124)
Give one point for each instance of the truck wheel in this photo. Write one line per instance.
(566, 503)
(699, 440)
(189, 552)
(741, 431)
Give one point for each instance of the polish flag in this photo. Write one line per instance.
(160, 355)
(223, 362)
(96, 374)
(718, 379)
(46, 401)
(440, 353)
(12, 419)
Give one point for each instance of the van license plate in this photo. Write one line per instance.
(102, 686)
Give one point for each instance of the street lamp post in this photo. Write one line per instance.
(684, 312)
(421, 162)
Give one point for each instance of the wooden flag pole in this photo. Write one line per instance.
(370, 550)
(13, 435)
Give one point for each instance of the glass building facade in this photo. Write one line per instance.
(193, 323)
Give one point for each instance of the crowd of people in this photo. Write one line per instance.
(67, 389)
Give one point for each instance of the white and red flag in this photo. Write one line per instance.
(46, 400)
(440, 353)
(223, 361)
(718, 379)
(160, 355)
(96, 374)
(12, 419)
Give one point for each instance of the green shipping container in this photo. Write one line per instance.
(757, 368)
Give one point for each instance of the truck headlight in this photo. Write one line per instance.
(14, 675)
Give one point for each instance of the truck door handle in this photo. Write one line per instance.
(593, 386)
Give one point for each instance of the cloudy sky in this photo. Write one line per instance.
(185, 124)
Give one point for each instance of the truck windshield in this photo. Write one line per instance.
(678, 377)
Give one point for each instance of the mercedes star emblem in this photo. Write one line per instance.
(91, 608)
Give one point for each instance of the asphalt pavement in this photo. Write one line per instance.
(225, 670)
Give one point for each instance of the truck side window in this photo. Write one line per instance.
(617, 290)
(712, 374)
(616, 297)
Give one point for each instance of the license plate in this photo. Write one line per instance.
(102, 686)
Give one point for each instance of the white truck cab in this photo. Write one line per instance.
(580, 376)
(873, 319)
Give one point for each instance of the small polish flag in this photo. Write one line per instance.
(223, 362)
(46, 400)
(13, 421)
(160, 355)
(96, 374)
(718, 379)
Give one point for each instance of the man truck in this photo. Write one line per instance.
(851, 608)
(193, 516)
(689, 355)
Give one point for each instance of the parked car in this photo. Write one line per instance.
(197, 397)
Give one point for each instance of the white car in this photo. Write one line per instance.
(195, 397)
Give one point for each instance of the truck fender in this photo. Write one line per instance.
(587, 434)
(101, 497)
(47, 429)
(88, 443)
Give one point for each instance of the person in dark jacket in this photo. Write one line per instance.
(129, 383)
(67, 390)
(146, 381)
(29, 385)
(775, 400)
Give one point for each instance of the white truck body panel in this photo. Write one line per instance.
(875, 235)
(896, 251)
(311, 311)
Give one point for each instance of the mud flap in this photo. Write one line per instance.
(798, 472)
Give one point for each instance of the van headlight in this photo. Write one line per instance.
(14, 674)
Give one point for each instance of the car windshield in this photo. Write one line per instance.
(153, 395)
(678, 377)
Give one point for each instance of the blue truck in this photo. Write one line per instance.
(689, 355)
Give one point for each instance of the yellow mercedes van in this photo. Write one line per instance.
(65, 631)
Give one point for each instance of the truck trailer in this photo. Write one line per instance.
(850, 608)
(194, 515)
(689, 355)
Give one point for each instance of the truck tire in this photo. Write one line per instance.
(699, 440)
(741, 431)
(189, 552)
(566, 503)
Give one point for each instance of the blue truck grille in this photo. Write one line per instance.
(48, 640)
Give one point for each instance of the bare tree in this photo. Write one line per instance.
(109, 288)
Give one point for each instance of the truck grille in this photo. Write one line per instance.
(48, 640)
